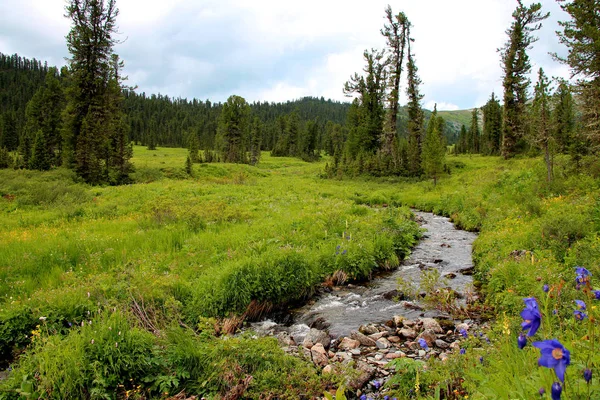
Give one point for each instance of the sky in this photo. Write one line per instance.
(273, 50)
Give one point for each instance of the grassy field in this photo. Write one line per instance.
(175, 251)
(100, 284)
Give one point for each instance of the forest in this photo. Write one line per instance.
(142, 235)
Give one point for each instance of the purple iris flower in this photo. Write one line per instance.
(464, 333)
(556, 391)
(579, 315)
(522, 341)
(545, 288)
(462, 351)
(596, 294)
(531, 315)
(580, 304)
(423, 344)
(587, 375)
(554, 355)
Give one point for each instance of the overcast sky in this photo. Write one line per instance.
(282, 50)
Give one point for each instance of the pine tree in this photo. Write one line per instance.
(395, 34)
(10, 135)
(462, 140)
(189, 166)
(516, 66)
(581, 34)
(541, 118)
(563, 120)
(40, 157)
(415, 114)
(255, 140)
(193, 147)
(233, 130)
(434, 147)
(92, 121)
(474, 133)
(492, 127)
(5, 158)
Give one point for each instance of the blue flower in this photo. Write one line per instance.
(583, 276)
(587, 375)
(481, 359)
(344, 252)
(363, 397)
(423, 344)
(554, 355)
(464, 333)
(377, 384)
(462, 351)
(542, 392)
(580, 304)
(521, 341)
(556, 391)
(596, 294)
(531, 315)
(546, 288)
(579, 315)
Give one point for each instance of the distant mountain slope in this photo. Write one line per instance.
(454, 121)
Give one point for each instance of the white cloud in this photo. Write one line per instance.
(441, 106)
(278, 50)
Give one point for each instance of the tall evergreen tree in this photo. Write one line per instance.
(255, 140)
(434, 147)
(10, 134)
(461, 146)
(541, 118)
(474, 132)
(492, 127)
(581, 34)
(233, 130)
(415, 114)
(563, 116)
(516, 66)
(92, 113)
(395, 33)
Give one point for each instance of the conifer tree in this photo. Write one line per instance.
(434, 147)
(516, 66)
(461, 146)
(541, 127)
(563, 116)
(581, 34)
(474, 133)
(193, 147)
(5, 158)
(92, 121)
(415, 114)
(233, 130)
(255, 140)
(492, 127)
(189, 166)
(10, 135)
(395, 33)
(40, 157)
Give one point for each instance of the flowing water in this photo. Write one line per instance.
(443, 247)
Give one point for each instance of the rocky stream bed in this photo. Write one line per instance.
(371, 325)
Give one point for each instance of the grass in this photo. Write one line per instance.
(170, 249)
(171, 252)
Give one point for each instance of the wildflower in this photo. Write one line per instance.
(587, 375)
(542, 392)
(386, 397)
(462, 351)
(583, 276)
(377, 384)
(531, 315)
(522, 341)
(43, 318)
(344, 252)
(556, 391)
(464, 333)
(487, 339)
(554, 355)
(579, 315)
(363, 397)
(116, 344)
(580, 304)
(423, 344)
(546, 288)
(596, 294)
(481, 359)
(92, 341)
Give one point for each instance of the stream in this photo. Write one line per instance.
(345, 308)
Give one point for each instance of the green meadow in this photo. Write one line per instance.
(126, 291)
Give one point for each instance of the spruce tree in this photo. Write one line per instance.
(233, 130)
(581, 34)
(516, 66)
(395, 33)
(415, 114)
(10, 135)
(40, 157)
(189, 166)
(541, 118)
(92, 121)
(461, 146)
(193, 147)
(563, 116)
(474, 133)
(434, 147)
(255, 140)
(492, 127)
